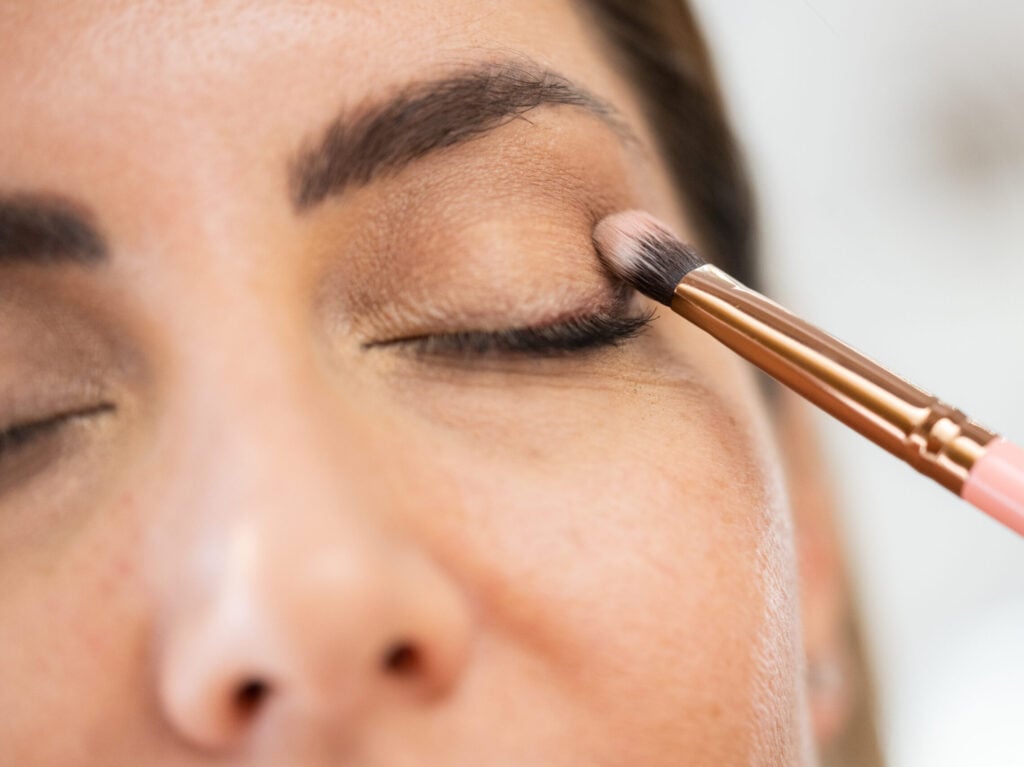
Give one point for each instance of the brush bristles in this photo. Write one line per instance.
(645, 254)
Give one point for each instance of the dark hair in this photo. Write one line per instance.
(659, 46)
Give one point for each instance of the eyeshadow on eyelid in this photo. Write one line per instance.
(604, 323)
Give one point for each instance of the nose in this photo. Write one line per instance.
(293, 604)
(322, 635)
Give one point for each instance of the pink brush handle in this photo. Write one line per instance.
(996, 484)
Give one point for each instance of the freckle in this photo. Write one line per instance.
(126, 566)
(127, 500)
(111, 573)
(121, 572)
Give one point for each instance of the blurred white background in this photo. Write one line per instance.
(886, 141)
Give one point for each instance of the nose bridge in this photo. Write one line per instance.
(262, 419)
(278, 471)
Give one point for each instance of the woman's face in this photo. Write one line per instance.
(296, 479)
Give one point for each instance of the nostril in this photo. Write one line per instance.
(402, 659)
(250, 696)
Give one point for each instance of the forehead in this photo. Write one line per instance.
(137, 79)
(113, 42)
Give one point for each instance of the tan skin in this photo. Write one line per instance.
(277, 546)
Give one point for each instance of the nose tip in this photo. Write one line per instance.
(217, 677)
(325, 650)
(215, 705)
(214, 714)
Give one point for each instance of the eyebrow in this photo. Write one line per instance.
(354, 150)
(427, 116)
(45, 230)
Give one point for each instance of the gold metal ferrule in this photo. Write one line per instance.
(936, 439)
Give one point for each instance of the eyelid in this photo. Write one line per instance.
(30, 448)
(19, 433)
(562, 337)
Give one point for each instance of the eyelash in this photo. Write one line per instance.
(557, 339)
(21, 435)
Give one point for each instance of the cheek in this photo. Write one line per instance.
(72, 616)
(633, 537)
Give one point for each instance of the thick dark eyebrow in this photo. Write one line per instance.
(426, 116)
(45, 230)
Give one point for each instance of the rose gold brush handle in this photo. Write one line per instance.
(934, 438)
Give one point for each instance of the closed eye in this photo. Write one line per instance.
(21, 435)
(576, 334)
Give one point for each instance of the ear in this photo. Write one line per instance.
(832, 670)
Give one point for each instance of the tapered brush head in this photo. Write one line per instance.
(644, 253)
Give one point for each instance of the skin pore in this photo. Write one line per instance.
(283, 483)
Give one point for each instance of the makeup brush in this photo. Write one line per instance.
(936, 439)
